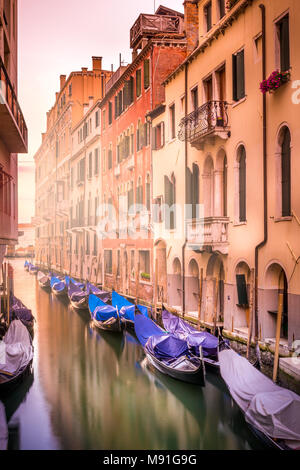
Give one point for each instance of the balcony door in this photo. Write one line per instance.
(221, 91)
(208, 94)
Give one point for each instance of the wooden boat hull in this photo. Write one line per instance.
(61, 294)
(45, 285)
(9, 385)
(113, 324)
(195, 376)
(81, 305)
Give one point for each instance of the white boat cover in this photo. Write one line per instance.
(3, 428)
(271, 409)
(19, 349)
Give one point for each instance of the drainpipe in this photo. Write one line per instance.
(185, 168)
(265, 187)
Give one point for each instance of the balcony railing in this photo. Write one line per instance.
(209, 119)
(13, 129)
(151, 25)
(208, 234)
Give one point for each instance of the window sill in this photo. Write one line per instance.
(237, 103)
(143, 281)
(237, 224)
(287, 218)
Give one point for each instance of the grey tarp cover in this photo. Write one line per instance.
(3, 428)
(19, 350)
(271, 409)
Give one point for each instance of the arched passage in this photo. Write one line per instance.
(192, 288)
(175, 284)
(275, 279)
(214, 289)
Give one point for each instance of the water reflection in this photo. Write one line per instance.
(95, 390)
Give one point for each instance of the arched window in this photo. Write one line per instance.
(139, 192)
(286, 172)
(225, 187)
(242, 183)
(148, 193)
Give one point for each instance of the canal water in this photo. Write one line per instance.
(95, 390)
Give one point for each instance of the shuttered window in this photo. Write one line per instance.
(286, 173)
(108, 261)
(130, 201)
(158, 136)
(96, 161)
(225, 187)
(221, 4)
(284, 41)
(192, 194)
(238, 74)
(148, 194)
(131, 91)
(90, 165)
(170, 189)
(146, 74)
(242, 185)
(109, 160)
(139, 193)
(116, 107)
(207, 14)
(109, 112)
(172, 121)
(138, 82)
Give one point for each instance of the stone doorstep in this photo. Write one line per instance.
(291, 366)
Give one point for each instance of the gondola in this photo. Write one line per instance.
(59, 287)
(26, 265)
(167, 353)
(78, 296)
(126, 309)
(104, 316)
(19, 355)
(18, 311)
(44, 280)
(3, 428)
(194, 338)
(33, 269)
(103, 295)
(272, 412)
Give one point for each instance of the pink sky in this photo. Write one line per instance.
(57, 37)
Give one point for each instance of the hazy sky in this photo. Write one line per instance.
(60, 36)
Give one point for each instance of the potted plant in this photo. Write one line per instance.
(145, 276)
(274, 81)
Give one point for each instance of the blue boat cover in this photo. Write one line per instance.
(194, 338)
(101, 311)
(57, 284)
(126, 308)
(145, 328)
(103, 295)
(26, 263)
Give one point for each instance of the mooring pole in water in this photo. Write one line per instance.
(278, 326)
(200, 297)
(251, 313)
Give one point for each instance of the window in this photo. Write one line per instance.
(170, 199)
(96, 161)
(193, 191)
(109, 113)
(238, 74)
(194, 98)
(130, 201)
(242, 183)
(146, 73)
(70, 89)
(90, 165)
(118, 263)
(97, 120)
(104, 160)
(95, 251)
(221, 7)
(108, 261)
(103, 119)
(109, 159)
(172, 121)
(139, 192)
(286, 173)
(138, 82)
(81, 170)
(207, 16)
(132, 263)
(87, 244)
(144, 263)
(282, 27)
(158, 136)
(148, 193)
(157, 210)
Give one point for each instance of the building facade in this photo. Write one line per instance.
(13, 130)
(230, 160)
(52, 163)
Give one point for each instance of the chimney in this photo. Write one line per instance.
(62, 81)
(97, 63)
(84, 69)
(191, 24)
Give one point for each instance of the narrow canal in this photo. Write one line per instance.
(93, 390)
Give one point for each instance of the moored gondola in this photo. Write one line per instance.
(16, 365)
(59, 287)
(26, 265)
(272, 412)
(18, 311)
(44, 280)
(208, 342)
(167, 353)
(126, 309)
(78, 296)
(104, 316)
(33, 269)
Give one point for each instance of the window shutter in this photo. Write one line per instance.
(242, 289)
(146, 73)
(284, 44)
(286, 174)
(242, 186)
(240, 75)
(195, 191)
(234, 78)
(168, 199)
(162, 134)
(153, 138)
